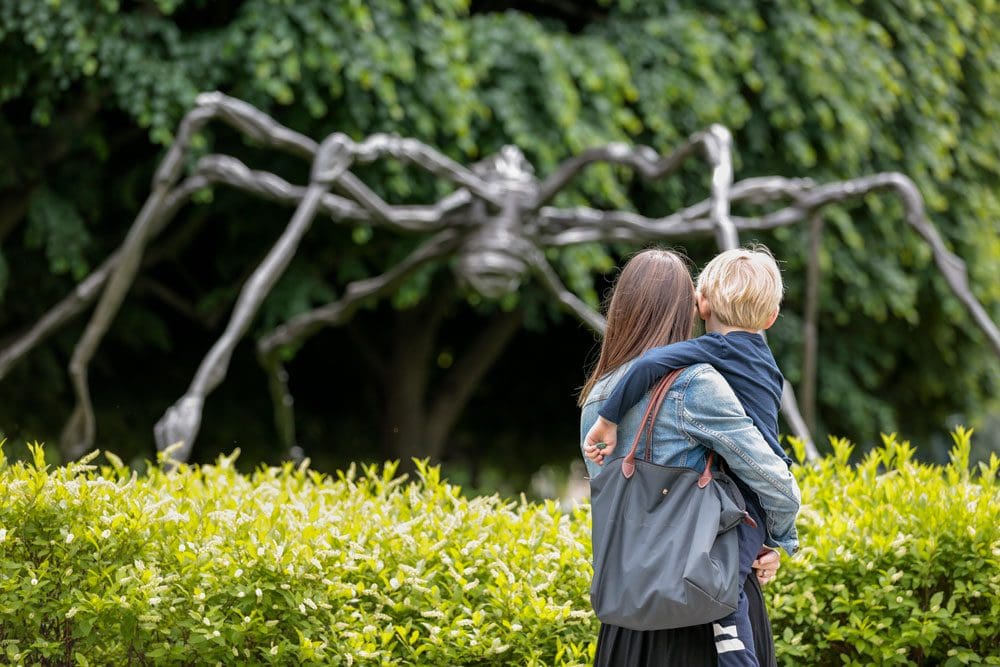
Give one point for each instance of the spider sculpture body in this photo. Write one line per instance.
(496, 224)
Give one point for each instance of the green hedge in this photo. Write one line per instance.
(900, 561)
(285, 566)
(900, 565)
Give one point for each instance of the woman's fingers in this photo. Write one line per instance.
(766, 565)
(593, 453)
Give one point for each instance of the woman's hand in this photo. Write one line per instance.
(600, 441)
(766, 566)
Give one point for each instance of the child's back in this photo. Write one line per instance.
(744, 360)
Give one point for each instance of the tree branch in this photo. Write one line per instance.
(304, 325)
(174, 300)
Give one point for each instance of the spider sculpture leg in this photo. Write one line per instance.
(181, 422)
(78, 433)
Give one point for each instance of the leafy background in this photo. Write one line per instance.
(90, 93)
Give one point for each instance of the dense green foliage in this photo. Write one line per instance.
(900, 562)
(91, 91)
(900, 565)
(284, 567)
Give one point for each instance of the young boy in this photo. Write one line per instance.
(738, 295)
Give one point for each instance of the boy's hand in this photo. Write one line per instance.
(600, 441)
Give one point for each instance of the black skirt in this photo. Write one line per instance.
(682, 647)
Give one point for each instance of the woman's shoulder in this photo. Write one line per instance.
(700, 378)
(703, 381)
(606, 384)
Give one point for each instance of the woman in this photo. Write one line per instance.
(653, 304)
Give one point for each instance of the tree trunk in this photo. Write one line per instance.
(810, 326)
(418, 418)
(405, 380)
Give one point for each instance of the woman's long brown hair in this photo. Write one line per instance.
(652, 304)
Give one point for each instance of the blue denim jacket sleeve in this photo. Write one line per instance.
(713, 417)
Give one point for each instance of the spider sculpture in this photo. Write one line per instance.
(497, 224)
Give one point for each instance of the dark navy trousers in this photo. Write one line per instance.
(734, 640)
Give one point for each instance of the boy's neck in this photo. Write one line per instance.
(714, 326)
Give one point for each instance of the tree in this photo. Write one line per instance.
(829, 94)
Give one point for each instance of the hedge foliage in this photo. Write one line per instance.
(900, 563)
(203, 564)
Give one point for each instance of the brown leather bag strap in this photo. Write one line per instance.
(657, 401)
(706, 475)
(648, 422)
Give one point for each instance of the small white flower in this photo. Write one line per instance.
(238, 573)
(216, 633)
(241, 594)
(72, 612)
(274, 650)
(106, 533)
(182, 548)
(207, 621)
(259, 594)
(3, 534)
(246, 619)
(69, 537)
(34, 582)
(154, 601)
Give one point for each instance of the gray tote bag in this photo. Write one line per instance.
(666, 551)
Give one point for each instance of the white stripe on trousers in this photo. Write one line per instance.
(727, 645)
(728, 630)
(730, 641)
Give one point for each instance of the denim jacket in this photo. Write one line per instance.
(701, 412)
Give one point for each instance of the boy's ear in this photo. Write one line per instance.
(704, 307)
(774, 318)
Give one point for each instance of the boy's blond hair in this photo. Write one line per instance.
(743, 287)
